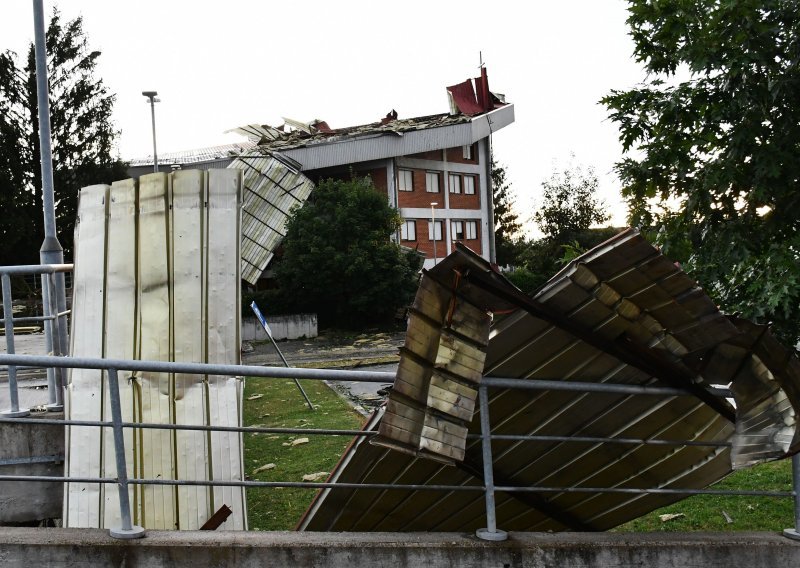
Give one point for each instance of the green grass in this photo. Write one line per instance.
(281, 508)
(705, 512)
(282, 405)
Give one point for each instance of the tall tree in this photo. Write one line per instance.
(570, 204)
(83, 139)
(569, 209)
(338, 259)
(507, 228)
(713, 162)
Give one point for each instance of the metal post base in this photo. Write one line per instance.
(21, 413)
(55, 407)
(127, 534)
(791, 533)
(497, 535)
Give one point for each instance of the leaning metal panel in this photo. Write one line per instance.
(166, 288)
(271, 190)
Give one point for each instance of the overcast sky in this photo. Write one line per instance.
(242, 62)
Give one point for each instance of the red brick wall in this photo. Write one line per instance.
(456, 155)
(420, 196)
(461, 201)
(473, 244)
(378, 176)
(424, 244)
(430, 155)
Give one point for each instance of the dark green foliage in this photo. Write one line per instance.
(338, 260)
(569, 205)
(83, 139)
(712, 170)
(507, 240)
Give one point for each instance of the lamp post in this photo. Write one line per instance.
(433, 230)
(151, 95)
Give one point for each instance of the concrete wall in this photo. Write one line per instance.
(24, 502)
(283, 327)
(201, 549)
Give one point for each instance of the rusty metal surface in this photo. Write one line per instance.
(622, 313)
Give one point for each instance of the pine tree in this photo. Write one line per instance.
(506, 222)
(83, 139)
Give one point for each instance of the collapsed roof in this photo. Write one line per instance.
(273, 166)
(620, 314)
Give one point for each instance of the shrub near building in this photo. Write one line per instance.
(338, 258)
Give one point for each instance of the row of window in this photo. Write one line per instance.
(458, 183)
(460, 230)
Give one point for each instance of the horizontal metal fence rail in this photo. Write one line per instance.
(491, 532)
(55, 327)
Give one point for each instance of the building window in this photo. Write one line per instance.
(472, 230)
(469, 185)
(457, 230)
(405, 180)
(455, 183)
(408, 231)
(467, 152)
(432, 182)
(438, 225)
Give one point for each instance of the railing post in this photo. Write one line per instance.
(128, 529)
(491, 532)
(8, 316)
(794, 533)
(54, 383)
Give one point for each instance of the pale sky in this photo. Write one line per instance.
(224, 64)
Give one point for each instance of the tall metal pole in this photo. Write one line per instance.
(153, 100)
(433, 230)
(51, 251)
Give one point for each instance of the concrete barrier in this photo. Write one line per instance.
(283, 327)
(26, 502)
(202, 549)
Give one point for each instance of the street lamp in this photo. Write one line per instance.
(433, 230)
(153, 100)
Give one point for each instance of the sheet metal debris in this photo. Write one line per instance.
(157, 277)
(272, 188)
(621, 313)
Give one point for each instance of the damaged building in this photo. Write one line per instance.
(436, 170)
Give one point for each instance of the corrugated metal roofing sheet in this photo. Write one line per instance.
(621, 313)
(271, 190)
(185, 157)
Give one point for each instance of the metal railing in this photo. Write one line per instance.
(55, 328)
(491, 532)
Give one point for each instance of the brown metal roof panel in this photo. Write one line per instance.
(557, 346)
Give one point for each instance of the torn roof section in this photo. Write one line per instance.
(274, 167)
(620, 314)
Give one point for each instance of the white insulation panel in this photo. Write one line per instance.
(157, 277)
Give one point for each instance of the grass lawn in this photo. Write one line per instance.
(282, 405)
(705, 512)
(280, 508)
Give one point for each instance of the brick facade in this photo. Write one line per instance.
(423, 243)
(456, 155)
(420, 196)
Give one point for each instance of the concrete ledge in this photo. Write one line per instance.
(200, 549)
(22, 502)
(283, 327)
